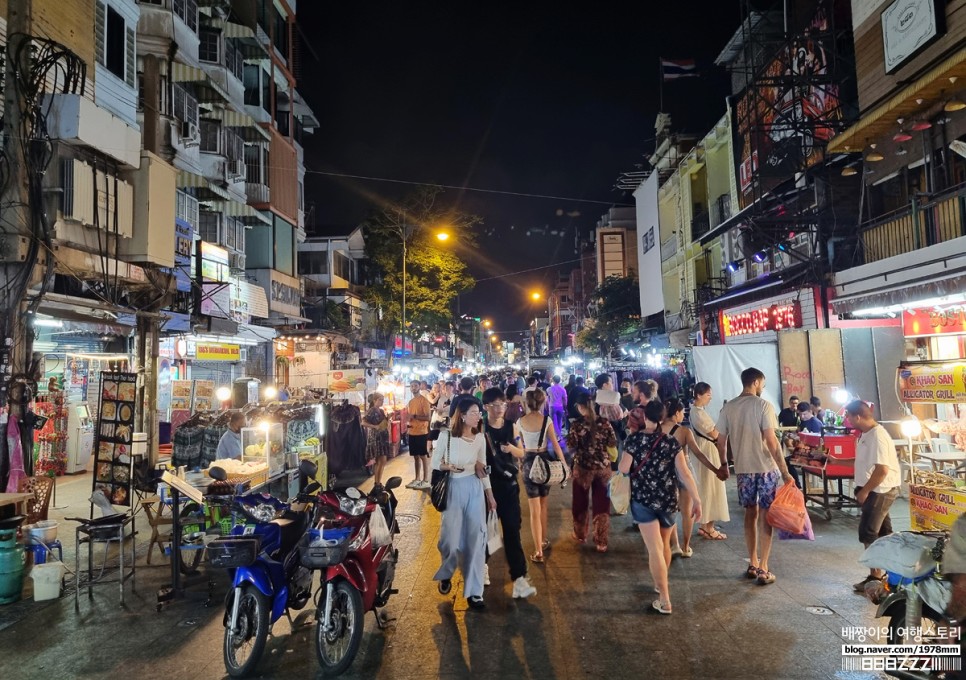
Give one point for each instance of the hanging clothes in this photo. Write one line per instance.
(15, 449)
(345, 440)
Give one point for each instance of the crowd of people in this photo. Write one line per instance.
(490, 433)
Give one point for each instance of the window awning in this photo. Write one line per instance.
(207, 190)
(250, 129)
(881, 121)
(236, 209)
(909, 292)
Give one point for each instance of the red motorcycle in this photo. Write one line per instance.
(353, 548)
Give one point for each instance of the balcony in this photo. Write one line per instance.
(257, 193)
(164, 22)
(923, 223)
(224, 64)
(78, 121)
(700, 225)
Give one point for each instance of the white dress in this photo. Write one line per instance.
(712, 491)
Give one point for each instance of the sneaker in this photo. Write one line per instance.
(445, 585)
(860, 586)
(475, 602)
(424, 485)
(413, 484)
(486, 574)
(522, 588)
(765, 577)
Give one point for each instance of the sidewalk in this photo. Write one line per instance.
(591, 617)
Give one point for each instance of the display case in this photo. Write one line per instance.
(265, 443)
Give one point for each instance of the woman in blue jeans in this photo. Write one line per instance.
(655, 463)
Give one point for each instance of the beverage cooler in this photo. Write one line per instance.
(80, 441)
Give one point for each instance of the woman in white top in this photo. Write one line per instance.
(714, 497)
(462, 451)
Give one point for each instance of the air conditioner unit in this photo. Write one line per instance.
(236, 261)
(189, 131)
(236, 169)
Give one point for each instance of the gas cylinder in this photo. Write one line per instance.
(12, 558)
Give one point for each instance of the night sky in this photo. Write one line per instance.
(528, 100)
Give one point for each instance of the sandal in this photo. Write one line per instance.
(546, 546)
(573, 535)
(713, 535)
(537, 558)
(661, 607)
(687, 553)
(601, 548)
(751, 572)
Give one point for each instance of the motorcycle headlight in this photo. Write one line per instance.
(352, 506)
(360, 538)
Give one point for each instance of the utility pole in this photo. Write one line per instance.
(16, 220)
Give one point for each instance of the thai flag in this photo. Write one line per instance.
(672, 69)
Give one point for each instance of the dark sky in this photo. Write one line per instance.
(529, 100)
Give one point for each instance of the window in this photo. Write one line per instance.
(209, 224)
(281, 34)
(115, 47)
(342, 266)
(188, 11)
(251, 79)
(208, 46)
(284, 247)
(314, 262)
(210, 136)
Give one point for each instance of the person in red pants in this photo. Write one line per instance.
(590, 437)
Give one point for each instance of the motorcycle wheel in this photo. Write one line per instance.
(931, 621)
(337, 648)
(244, 646)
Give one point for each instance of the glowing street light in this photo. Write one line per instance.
(535, 295)
(494, 338)
(442, 236)
(487, 323)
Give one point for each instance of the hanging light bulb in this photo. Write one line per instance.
(873, 156)
(849, 171)
(954, 104)
(902, 136)
(921, 125)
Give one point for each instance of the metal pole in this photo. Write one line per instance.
(403, 351)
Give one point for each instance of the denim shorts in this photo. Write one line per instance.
(643, 514)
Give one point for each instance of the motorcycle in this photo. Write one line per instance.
(268, 580)
(353, 548)
(916, 594)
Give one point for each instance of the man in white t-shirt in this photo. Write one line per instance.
(748, 422)
(877, 479)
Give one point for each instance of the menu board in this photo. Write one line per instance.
(113, 435)
(345, 381)
(204, 395)
(180, 402)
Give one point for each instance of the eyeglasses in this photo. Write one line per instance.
(497, 405)
(473, 414)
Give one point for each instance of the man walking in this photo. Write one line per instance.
(748, 422)
(557, 398)
(419, 413)
(877, 479)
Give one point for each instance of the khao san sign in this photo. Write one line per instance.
(936, 382)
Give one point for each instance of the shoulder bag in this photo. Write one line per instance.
(501, 468)
(440, 480)
(543, 471)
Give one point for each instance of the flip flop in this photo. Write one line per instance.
(687, 553)
(537, 558)
(546, 546)
(714, 535)
(661, 607)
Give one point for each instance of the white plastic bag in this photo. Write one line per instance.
(494, 541)
(378, 529)
(619, 490)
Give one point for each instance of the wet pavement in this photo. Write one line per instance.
(591, 617)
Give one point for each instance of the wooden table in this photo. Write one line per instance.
(938, 458)
(15, 499)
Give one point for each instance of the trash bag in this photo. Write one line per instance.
(788, 510)
(619, 490)
(494, 541)
(378, 529)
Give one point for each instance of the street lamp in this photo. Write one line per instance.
(405, 232)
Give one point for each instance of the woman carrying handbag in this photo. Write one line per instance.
(536, 430)
(461, 452)
(590, 438)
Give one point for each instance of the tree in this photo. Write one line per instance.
(435, 274)
(617, 310)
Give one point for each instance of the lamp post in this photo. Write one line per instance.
(405, 232)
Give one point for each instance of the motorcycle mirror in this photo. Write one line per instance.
(312, 488)
(217, 473)
(393, 483)
(308, 468)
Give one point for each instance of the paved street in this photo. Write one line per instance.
(591, 617)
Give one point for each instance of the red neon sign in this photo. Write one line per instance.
(772, 318)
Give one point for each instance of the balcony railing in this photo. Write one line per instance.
(922, 223)
(257, 193)
(700, 225)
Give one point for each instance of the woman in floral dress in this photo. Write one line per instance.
(590, 437)
(378, 447)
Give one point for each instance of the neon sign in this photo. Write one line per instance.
(771, 318)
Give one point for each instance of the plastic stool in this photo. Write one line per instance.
(40, 551)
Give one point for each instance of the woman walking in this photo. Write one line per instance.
(590, 438)
(462, 540)
(673, 417)
(377, 439)
(655, 462)
(536, 430)
(711, 486)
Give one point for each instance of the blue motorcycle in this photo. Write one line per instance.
(268, 579)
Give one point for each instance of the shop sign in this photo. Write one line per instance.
(917, 323)
(908, 26)
(217, 351)
(768, 318)
(345, 381)
(940, 382)
(409, 344)
(934, 508)
(213, 262)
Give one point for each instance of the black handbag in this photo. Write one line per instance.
(440, 481)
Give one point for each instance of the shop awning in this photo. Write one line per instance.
(909, 292)
(236, 209)
(881, 121)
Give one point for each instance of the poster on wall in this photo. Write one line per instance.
(345, 381)
(113, 436)
(938, 382)
(180, 402)
(204, 396)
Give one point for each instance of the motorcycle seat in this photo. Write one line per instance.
(291, 530)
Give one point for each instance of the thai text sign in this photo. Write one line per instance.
(933, 383)
(934, 508)
(923, 322)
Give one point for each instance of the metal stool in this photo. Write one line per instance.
(103, 530)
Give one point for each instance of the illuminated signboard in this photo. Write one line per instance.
(213, 262)
(917, 323)
(769, 318)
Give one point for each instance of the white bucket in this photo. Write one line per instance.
(47, 578)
